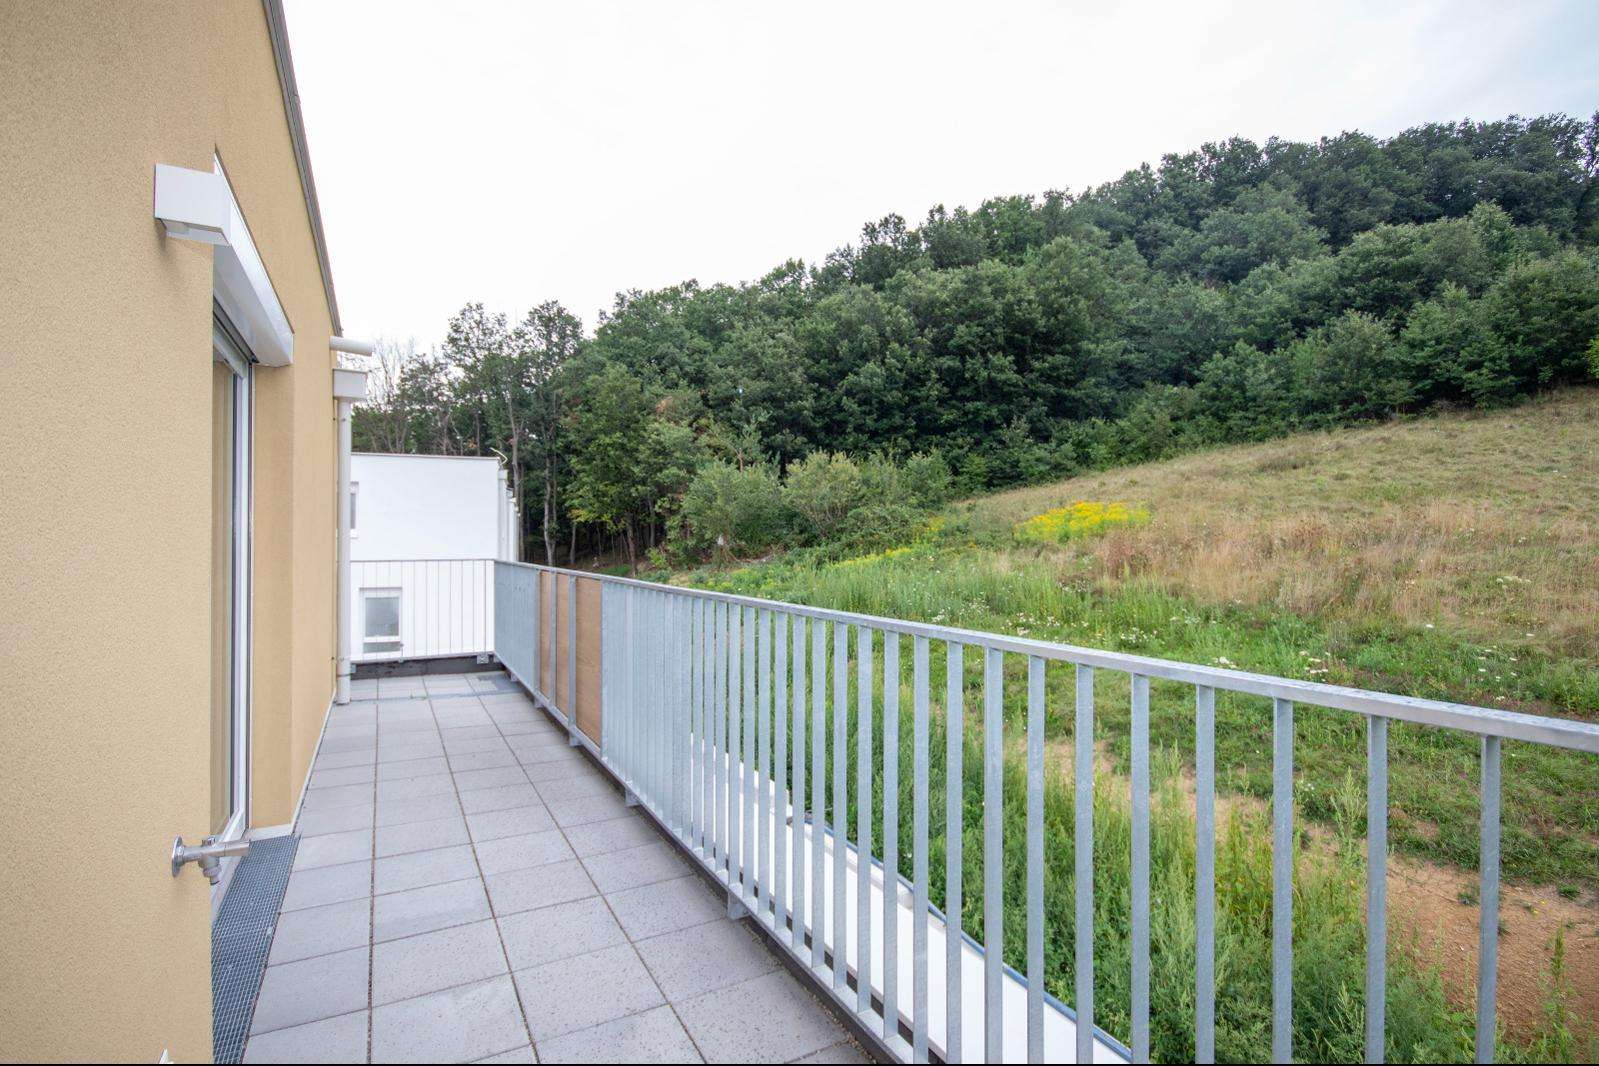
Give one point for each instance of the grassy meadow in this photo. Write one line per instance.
(1455, 557)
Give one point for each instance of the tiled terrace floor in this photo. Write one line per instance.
(470, 887)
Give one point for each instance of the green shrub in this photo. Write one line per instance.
(822, 490)
(731, 511)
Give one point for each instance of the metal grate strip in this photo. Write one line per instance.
(241, 935)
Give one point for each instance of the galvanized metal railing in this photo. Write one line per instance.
(705, 724)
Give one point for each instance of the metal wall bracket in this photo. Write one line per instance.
(209, 855)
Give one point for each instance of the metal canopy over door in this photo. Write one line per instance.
(232, 416)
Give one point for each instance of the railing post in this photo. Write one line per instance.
(1140, 867)
(1376, 885)
(954, 812)
(1488, 894)
(1282, 882)
(1083, 848)
(1205, 874)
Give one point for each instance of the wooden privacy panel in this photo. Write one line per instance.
(545, 678)
(588, 703)
(574, 692)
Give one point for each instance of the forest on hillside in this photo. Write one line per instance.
(1236, 292)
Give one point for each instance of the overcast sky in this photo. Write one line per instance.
(519, 152)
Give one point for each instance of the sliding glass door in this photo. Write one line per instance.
(231, 416)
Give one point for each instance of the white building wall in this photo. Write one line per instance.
(424, 529)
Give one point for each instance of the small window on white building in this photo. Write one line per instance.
(380, 626)
(353, 487)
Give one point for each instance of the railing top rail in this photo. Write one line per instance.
(1486, 721)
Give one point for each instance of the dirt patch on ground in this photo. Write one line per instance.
(1434, 909)
(1433, 912)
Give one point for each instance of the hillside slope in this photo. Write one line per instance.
(1487, 525)
(1455, 557)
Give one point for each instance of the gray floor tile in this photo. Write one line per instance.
(421, 809)
(334, 820)
(691, 962)
(569, 810)
(549, 934)
(311, 989)
(415, 869)
(481, 760)
(557, 771)
(334, 776)
(332, 760)
(462, 733)
(328, 884)
(521, 1054)
(540, 886)
(341, 1039)
(769, 1019)
(408, 752)
(474, 743)
(597, 784)
(618, 870)
(321, 799)
(331, 849)
(421, 910)
(321, 930)
(520, 852)
(467, 780)
(455, 1025)
(846, 1053)
(510, 822)
(585, 990)
(614, 834)
(667, 906)
(499, 798)
(437, 960)
(421, 836)
(339, 745)
(415, 788)
(651, 1036)
(535, 748)
(430, 766)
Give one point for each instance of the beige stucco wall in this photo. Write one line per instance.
(104, 510)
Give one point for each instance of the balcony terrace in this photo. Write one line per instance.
(469, 886)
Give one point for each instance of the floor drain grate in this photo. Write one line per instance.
(241, 935)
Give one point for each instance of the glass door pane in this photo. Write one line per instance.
(224, 464)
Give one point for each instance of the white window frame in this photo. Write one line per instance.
(386, 592)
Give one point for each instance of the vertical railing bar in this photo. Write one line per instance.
(696, 730)
(685, 732)
(954, 843)
(1204, 874)
(1488, 894)
(1282, 882)
(797, 628)
(1140, 868)
(1083, 855)
(818, 784)
(735, 747)
(993, 855)
(780, 814)
(890, 834)
(752, 863)
(1035, 859)
(719, 711)
(840, 798)
(762, 764)
(1376, 885)
(864, 772)
(920, 782)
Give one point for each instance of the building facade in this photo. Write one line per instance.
(423, 534)
(168, 465)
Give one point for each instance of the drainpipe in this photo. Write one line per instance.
(349, 387)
